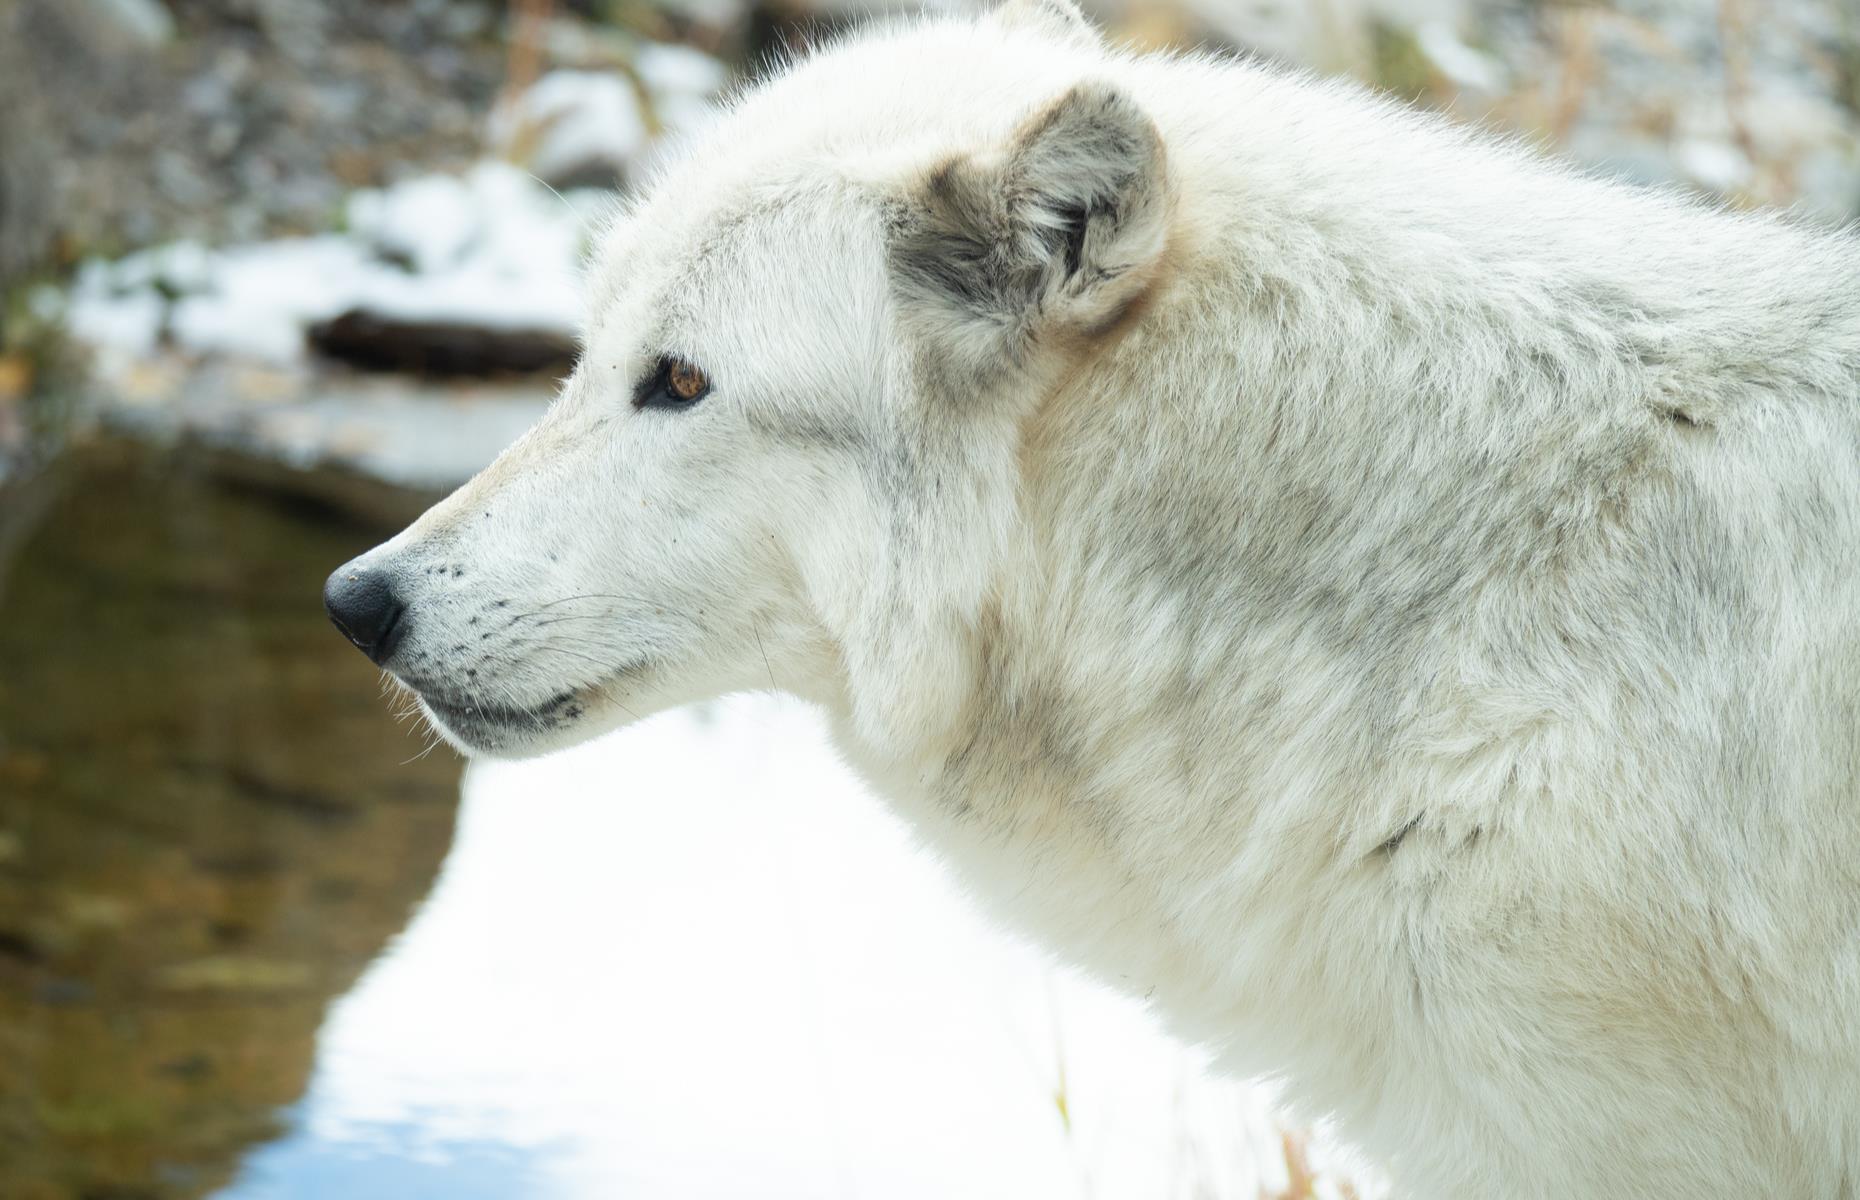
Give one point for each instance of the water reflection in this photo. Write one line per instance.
(695, 960)
(206, 831)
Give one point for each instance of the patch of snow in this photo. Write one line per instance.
(1715, 164)
(1786, 122)
(571, 122)
(1829, 184)
(1469, 68)
(128, 326)
(261, 297)
(494, 248)
(717, 14)
(147, 21)
(428, 222)
(176, 267)
(668, 69)
(682, 83)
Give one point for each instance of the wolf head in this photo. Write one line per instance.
(788, 455)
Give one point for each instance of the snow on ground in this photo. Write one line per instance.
(496, 247)
(683, 81)
(574, 124)
(493, 247)
(571, 122)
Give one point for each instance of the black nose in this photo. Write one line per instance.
(363, 605)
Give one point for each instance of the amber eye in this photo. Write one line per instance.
(674, 383)
(686, 381)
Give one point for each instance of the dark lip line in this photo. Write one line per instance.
(510, 717)
(502, 714)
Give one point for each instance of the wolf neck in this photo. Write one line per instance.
(1238, 522)
(1118, 720)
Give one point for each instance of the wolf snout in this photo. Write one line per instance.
(363, 604)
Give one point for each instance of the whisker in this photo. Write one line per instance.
(579, 219)
(593, 596)
(606, 668)
(431, 745)
(755, 627)
(571, 617)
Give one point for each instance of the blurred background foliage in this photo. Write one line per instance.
(126, 124)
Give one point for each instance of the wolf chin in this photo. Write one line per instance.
(1390, 599)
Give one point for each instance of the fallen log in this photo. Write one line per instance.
(377, 342)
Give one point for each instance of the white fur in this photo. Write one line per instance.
(1391, 599)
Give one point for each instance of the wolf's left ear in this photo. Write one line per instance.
(1054, 236)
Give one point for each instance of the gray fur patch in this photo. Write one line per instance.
(989, 246)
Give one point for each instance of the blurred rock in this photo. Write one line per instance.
(252, 117)
(146, 21)
(33, 130)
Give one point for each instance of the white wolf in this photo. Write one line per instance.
(1390, 599)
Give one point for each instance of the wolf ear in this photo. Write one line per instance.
(1056, 18)
(1055, 235)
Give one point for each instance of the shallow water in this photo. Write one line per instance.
(694, 959)
(207, 826)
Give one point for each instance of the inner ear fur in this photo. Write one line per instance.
(1053, 234)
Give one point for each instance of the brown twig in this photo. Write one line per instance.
(1577, 38)
(1731, 44)
(524, 61)
(1300, 1180)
